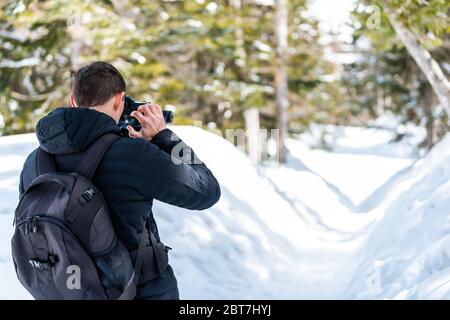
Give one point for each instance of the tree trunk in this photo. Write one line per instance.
(281, 79)
(428, 111)
(424, 60)
(251, 117)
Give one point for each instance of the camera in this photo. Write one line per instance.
(127, 120)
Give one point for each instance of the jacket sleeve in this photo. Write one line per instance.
(171, 172)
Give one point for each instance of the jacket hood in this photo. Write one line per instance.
(67, 130)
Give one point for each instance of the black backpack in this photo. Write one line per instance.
(64, 245)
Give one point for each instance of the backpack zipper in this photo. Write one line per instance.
(55, 221)
(33, 220)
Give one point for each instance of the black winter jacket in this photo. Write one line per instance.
(132, 173)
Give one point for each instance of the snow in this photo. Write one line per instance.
(408, 252)
(361, 220)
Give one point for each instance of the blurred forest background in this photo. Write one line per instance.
(216, 60)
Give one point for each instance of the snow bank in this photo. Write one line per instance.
(407, 254)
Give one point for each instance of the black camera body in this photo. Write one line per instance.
(127, 120)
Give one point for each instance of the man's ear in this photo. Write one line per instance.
(72, 101)
(118, 100)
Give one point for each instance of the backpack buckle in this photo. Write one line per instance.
(89, 194)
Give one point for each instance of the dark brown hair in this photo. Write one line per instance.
(96, 83)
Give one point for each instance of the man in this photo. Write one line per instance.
(134, 171)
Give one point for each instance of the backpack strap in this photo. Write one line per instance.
(159, 253)
(45, 162)
(94, 154)
(129, 291)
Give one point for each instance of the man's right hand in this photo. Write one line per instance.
(151, 118)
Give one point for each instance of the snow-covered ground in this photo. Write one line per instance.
(362, 220)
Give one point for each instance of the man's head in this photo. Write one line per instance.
(100, 86)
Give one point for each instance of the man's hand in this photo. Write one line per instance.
(151, 118)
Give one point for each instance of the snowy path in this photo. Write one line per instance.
(310, 229)
(327, 190)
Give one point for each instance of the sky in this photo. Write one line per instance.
(333, 14)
